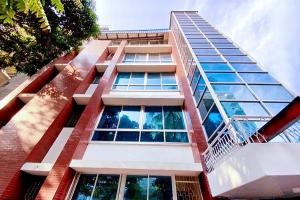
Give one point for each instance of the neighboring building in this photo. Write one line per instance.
(179, 113)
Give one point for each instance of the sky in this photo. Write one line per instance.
(268, 30)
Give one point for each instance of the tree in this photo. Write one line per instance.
(26, 46)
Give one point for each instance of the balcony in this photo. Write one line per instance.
(255, 165)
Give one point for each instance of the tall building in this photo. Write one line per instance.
(180, 113)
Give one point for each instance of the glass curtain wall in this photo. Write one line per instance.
(240, 85)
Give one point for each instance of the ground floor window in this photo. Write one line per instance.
(127, 187)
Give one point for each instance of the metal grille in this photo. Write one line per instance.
(188, 188)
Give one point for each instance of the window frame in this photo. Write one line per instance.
(141, 129)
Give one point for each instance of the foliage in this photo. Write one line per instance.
(24, 45)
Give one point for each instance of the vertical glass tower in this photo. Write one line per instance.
(226, 83)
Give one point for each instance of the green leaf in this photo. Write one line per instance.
(58, 5)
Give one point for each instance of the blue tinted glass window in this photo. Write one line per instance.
(168, 78)
(136, 187)
(201, 45)
(165, 58)
(271, 92)
(205, 104)
(205, 52)
(245, 67)
(219, 41)
(196, 36)
(230, 51)
(110, 117)
(215, 36)
(215, 67)
(160, 187)
(227, 45)
(210, 59)
(173, 118)
(153, 87)
(177, 137)
(122, 78)
(195, 78)
(153, 118)
(169, 87)
(199, 89)
(137, 78)
(84, 186)
(103, 136)
(213, 121)
(106, 187)
(275, 108)
(223, 77)
(233, 92)
(257, 78)
(130, 117)
(152, 137)
(238, 59)
(198, 40)
(153, 78)
(136, 87)
(127, 136)
(129, 57)
(243, 108)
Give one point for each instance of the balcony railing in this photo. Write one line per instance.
(240, 131)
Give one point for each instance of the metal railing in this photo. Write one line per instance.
(240, 131)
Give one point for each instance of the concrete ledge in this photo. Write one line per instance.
(60, 66)
(258, 170)
(185, 169)
(82, 99)
(146, 67)
(101, 67)
(39, 169)
(26, 97)
(143, 98)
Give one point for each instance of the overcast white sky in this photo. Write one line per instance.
(269, 30)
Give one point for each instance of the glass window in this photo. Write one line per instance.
(233, 92)
(152, 137)
(153, 118)
(213, 121)
(245, 67)
(199, 89)
(275, 108)
(154, 57)
(196, 36)
(165, 58)
(224, 45)
(130, 117)
(230, 51)
(243, 108)
(177, 137)
(198, 40)
(127, 136)
(110, 117)
(136, 188)
(153, 78)
(210, 59)
(106, 187)
(201, 45)
(122, 78)
(205, 52)
(137, 78)
(173, 118)
(84, 187)
(205, 104)
(257, 78)
(168, 78)
(129, 57)
(142, 57)
(238, 59)
(219, 41)
(272, 92)
(136, 87)
(195, 79)
(160, 188)
(215, 36)
(103, 136)
(223, 77)
(215, 67)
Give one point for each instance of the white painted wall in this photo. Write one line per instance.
(58, 145)
(258, 170)
(139, 152)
